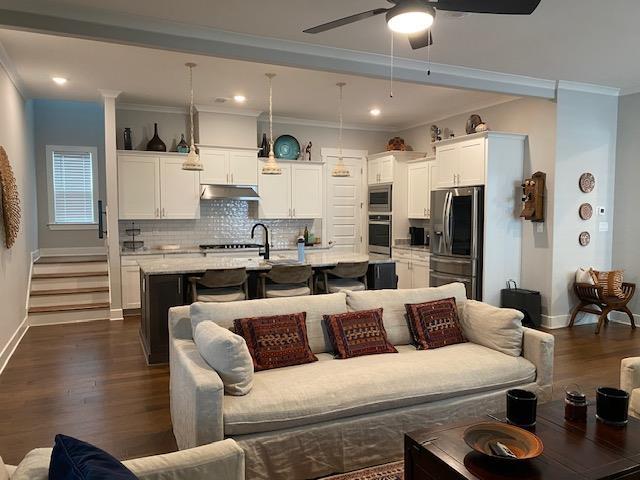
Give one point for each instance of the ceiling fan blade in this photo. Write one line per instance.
(346, 20)
(505, 7)
(421, 39)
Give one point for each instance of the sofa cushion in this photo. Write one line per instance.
(330, 389)
(634, 404)
(276, 341)
(611, 282)
(315, 307)
(227, 354)
(34, 465)
(4, 473)
(393, 302)
(354, 334)
(583, 275)
(434, 324)
(493, 327)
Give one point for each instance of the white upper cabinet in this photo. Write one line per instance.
(380, 170)
(153, 186)
(386, 169)
(462, 162)
(228, 166)
(418, 191)
(296, 193)
(138, 187)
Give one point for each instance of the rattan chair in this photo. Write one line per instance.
(593, 300)
(287, 281)
(224, 285)
(345, 276)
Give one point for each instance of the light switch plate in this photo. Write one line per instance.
(601, 210)
(603, 226)
(540, 227)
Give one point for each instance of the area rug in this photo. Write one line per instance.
(388, 471)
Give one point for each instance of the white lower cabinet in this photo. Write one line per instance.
(130, 287)
(412, 269)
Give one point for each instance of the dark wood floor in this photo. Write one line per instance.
(90, 380)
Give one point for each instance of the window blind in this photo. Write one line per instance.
(73, 187)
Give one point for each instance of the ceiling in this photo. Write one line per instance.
(156, 77)
(579, 40)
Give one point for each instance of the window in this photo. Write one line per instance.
(72, 176)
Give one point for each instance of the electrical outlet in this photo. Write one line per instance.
(540, 227)
(601, 210)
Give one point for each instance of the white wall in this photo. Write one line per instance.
(16, 127)
(170, 127)
(59, 122)
(225, 129)
(626, 228)
(537, 119)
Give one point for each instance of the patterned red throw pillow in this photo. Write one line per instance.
(354, 334)
(276, 341)
(434, 324)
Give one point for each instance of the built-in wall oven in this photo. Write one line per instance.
(380, 234)
(380, 199)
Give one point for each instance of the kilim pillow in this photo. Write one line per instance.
(276, 341)
(354, 334)
(611, 282)
(434, 324)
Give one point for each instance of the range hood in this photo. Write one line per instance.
(211, 192)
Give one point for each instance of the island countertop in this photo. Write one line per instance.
(168, 266)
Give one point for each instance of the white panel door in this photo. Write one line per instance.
(179, 190)
(243, 168)
(306, 190)
(138, 187)
(447, 158)
(130, 287)
(418, 189)
(373, 171)
(472, 163)
(275, 193)
(216, 166)
(345, 207)
(386, 169)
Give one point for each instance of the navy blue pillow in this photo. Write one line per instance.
(73, 459)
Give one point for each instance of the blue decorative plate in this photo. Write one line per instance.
(286, 147)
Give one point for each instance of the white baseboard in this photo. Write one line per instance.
(14, 341)
(620, 317)
(116, 314)
(63, 252)
(553, 322)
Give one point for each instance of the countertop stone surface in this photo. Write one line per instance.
(416, 248)
(195, 249)
(177, 265)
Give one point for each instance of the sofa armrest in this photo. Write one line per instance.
(180, 323)
(222, 460)
(630, 374)
(537, 347)
(197, 393)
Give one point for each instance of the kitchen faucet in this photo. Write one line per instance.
(264, 254)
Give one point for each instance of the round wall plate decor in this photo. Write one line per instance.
(585, 211)
(587, 182)
(584, 239)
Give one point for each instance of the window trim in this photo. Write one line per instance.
(50, 190)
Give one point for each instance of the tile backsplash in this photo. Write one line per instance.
(221, 221)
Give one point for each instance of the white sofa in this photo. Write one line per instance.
(334, 415)
(216, 461)
(630, 382)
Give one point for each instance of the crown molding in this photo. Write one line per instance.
(588, 88)
(151, 108)
(105, 93)
(629, 91)
(9, 67)
(243, 112)
(264, 118)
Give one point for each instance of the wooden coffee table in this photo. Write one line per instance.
(572, 450)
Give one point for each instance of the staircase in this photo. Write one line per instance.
(69, 289)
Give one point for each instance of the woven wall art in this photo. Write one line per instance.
(9, 201)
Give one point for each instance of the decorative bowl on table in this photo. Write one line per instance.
(286, 147)
(489, 438)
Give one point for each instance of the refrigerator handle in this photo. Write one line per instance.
(447, 222)
(445, 229)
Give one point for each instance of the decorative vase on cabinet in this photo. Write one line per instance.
(156, 144)
(182, 147)
(264, 147)
(127, 139)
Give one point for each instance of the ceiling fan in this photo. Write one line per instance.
(415, 17)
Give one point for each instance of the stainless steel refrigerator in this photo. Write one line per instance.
(456, 238)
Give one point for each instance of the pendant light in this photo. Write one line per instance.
(340, 170)
(271, 167)
(192, 162)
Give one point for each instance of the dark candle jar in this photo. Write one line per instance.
(575, 404)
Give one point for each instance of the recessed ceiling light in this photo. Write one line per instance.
(375, 112)
(59, 80)
(240, 98)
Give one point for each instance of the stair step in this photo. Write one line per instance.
(67, 308)
(68, 291)
(71, 267)
(37, 276)
(68, 316)
(72, 259)
(68, 283)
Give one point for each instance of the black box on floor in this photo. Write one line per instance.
(528, 302)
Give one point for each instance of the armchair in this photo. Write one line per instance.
(630, 382)
(593, 300)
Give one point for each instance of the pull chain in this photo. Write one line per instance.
(429, 55)
(391, 77)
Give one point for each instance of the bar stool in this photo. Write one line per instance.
(223, 285)
(287, 281)
(345, 276)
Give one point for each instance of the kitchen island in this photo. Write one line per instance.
(164, 284)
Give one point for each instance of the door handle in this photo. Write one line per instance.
(179, 286)
(157, 212)
(163, 214)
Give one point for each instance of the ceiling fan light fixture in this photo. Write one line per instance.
(410, 17)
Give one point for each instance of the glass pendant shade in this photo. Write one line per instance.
(271, 167)
(192, 162)
(340, 170)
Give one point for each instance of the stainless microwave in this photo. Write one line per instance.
(380, 198)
